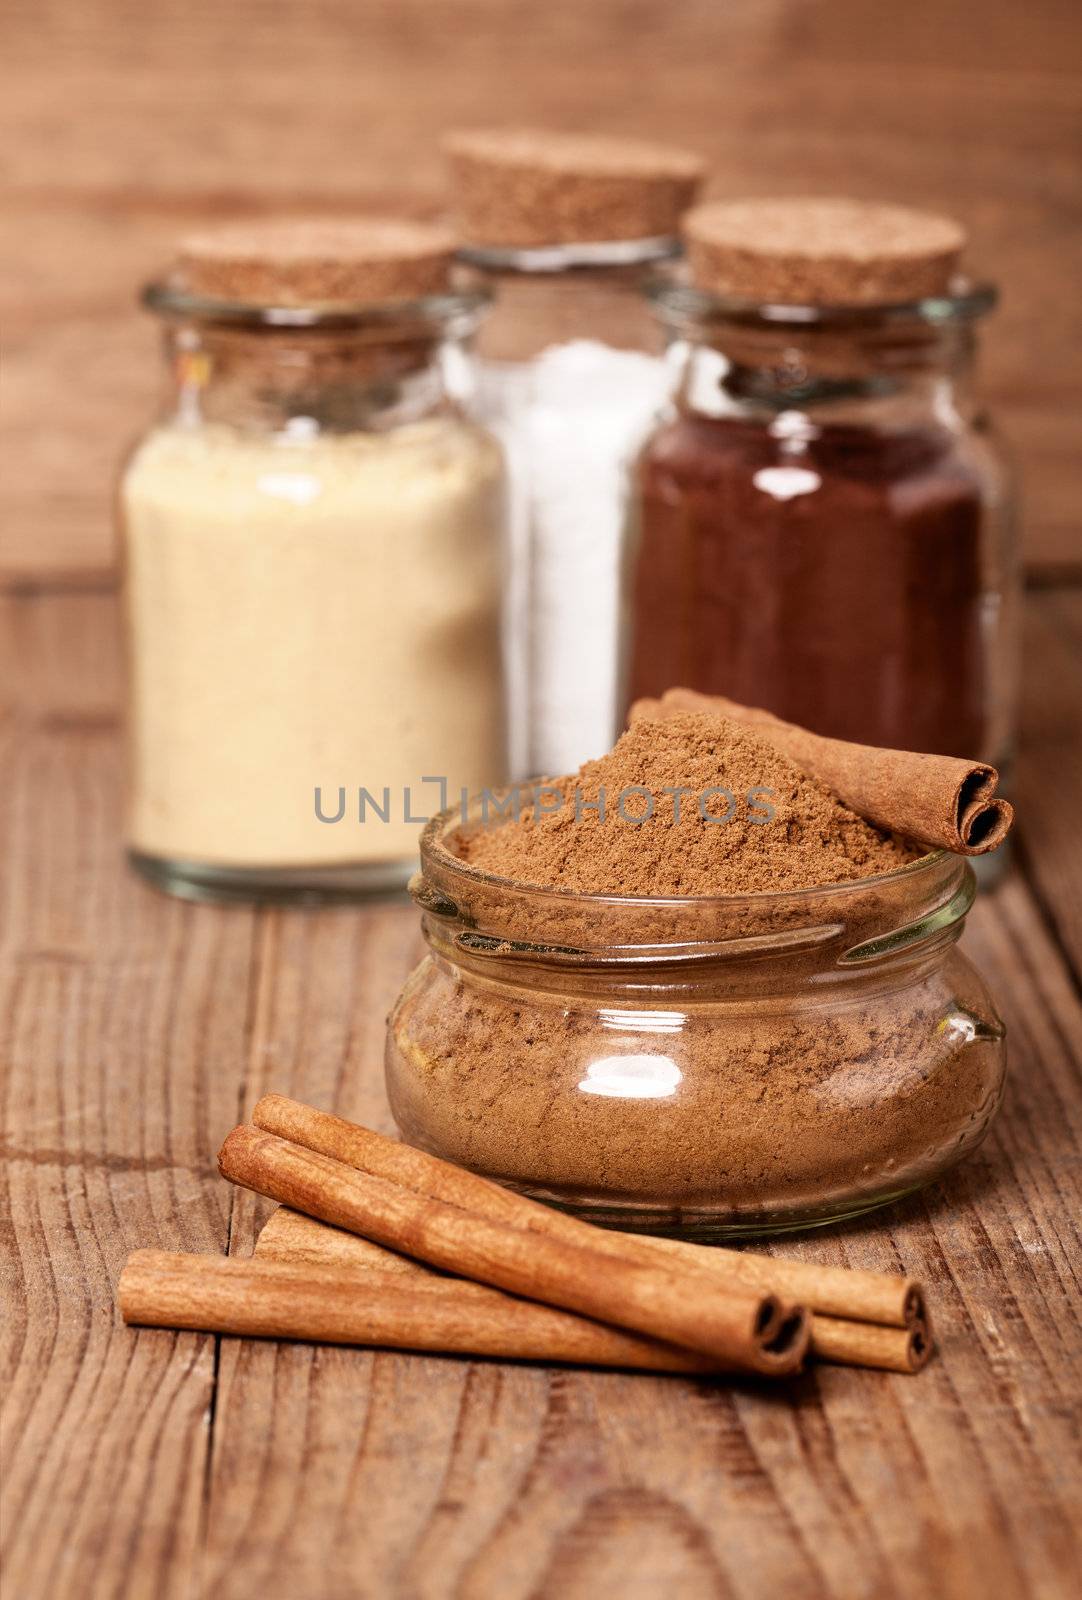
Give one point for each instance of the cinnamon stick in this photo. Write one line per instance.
(289, 1236)
(887, 1298)
(882, 1297)
(868, 1344)
(740, 1329)
(939, 801)
(259, 1298)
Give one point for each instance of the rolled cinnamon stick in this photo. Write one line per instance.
(940, 801)
(868, 1344)
(289, 1236)
(883, 1297)
(334, 1305)
(740, 1329)
(887, 1298)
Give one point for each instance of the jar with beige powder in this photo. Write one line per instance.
(313, 543)
(709, 1066)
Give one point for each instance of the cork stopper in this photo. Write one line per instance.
(521, 189)
(821, 252)
(301, 262)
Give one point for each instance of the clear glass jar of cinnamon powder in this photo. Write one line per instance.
(705, 1066)
(823, 524)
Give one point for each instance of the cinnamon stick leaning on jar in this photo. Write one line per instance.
(886, 1298)
(742, 1330)
(939, 801)
(290, 1236)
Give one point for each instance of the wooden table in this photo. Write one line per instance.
(135, 1030)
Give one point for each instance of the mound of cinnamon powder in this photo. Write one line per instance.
(647, 819)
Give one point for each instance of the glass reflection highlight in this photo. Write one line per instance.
(632, 1077)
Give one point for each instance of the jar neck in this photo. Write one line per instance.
(560, 293)
(847, 362)
(265, 379)
(768, 980)
(729, 367)
(874, 930)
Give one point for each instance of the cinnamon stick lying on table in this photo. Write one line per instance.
(290, 1236)
(881, 1297)
(741, 1330)
(263, 1298)
(939, 801)
(869, 1344)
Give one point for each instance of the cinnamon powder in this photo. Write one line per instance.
(665, 788)
(780, 1114)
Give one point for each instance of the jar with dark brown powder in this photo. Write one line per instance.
(822, 523)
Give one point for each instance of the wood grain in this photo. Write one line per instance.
(122, 125)
(1050, 768)
(134, 1030)
(118, 1010)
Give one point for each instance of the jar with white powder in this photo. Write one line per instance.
(313, 540)
(567, 226)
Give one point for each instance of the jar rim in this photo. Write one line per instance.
(681, 304)
(573, 257)
(457, 311)
(859, 920)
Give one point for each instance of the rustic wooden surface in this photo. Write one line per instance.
(134, 1030)
(124, 123)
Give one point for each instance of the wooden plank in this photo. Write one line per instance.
(60, 657)
(122, 1036)
(124, 125)
(1050, 768)
(325, 982)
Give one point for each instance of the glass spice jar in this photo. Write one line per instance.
(565, 228)
(313, 541)
(707, 1067)
(822, 523)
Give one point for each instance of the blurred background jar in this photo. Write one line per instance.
(313, 541)
(823, 524)
(566, 227)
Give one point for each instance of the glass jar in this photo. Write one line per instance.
(707, 1067)
(822, 523)
(313, 542)
(570, 379)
